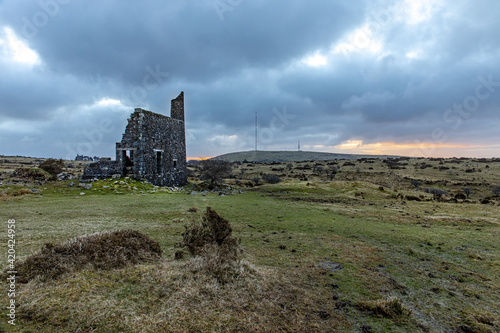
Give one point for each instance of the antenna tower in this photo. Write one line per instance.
(255, 131)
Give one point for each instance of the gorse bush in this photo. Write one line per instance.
(211, 241)
(32, 174)
(436, 191)
(213, 229)
(106, 250)
(52, 166)
(214, 171)
(416, 183)
(271, 179)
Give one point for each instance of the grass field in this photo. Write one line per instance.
(407, 266)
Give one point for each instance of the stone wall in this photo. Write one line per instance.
(153, 147)
(156, 148)
(101, 170)
(177, 107)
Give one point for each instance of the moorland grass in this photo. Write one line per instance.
(439, 260)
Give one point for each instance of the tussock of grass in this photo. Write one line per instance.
(389, 308)
(106, 250)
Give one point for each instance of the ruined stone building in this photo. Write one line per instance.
(153, 148)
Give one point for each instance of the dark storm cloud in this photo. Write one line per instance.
(186, 38)
(242, 57)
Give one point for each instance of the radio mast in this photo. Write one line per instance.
(255, 131)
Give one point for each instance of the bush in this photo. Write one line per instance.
(213, 229)
(32, 174)
(271, 179)
(436, 191)
(256, 180)
(416, 183)
(104, 250)
(211, 242)
(214, 171)
(52, 166)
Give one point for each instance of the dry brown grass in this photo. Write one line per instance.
(176, 297)
(389, 308)
(214, 290)
(105, 250)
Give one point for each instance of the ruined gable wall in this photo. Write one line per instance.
(150, 133)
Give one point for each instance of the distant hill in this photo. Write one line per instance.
(291, 156)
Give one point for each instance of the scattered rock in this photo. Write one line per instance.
(65, 176)
(85, 186)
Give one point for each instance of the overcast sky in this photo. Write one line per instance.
(406, 77)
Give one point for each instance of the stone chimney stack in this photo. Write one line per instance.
(177, 108)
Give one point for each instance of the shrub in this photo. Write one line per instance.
(212, 244)
(256, 180)
(214, 171)
(436, 191)
(271, 179)
(32, 174)
(213, 229)
(106, 250)
(416, 183)
(52, 166)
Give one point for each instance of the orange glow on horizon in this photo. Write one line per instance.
(417, 149)
(198, 158)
